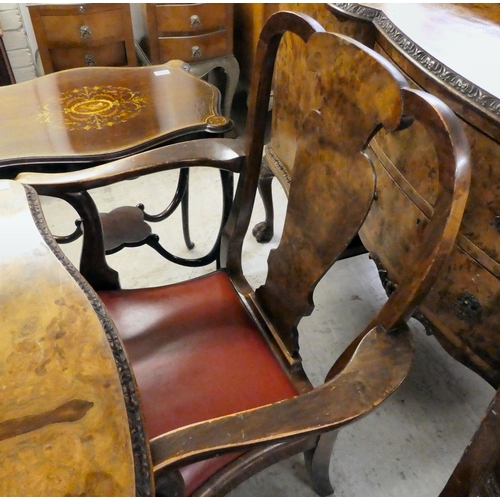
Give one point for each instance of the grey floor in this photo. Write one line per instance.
(406, 447)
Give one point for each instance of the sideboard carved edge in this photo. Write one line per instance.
(454, 82)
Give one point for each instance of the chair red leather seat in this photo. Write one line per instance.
(183, 342)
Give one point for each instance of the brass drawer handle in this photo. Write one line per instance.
(195, 21)
(85, 32)
(90, 60)
(195, 51)
(496, 221)
(468, 308)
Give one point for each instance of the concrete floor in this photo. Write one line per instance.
(411, 443)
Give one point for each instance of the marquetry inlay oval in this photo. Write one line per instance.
(90, 108)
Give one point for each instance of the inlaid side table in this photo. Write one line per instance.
(83, 117)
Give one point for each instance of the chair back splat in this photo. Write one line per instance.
(217, 363)
(333, 184)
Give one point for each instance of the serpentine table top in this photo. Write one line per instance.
(92, 115)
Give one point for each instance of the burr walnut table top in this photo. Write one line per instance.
(69, 416)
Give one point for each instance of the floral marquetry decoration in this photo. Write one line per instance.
(90, 108)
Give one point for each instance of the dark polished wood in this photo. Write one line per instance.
(86, 116)
(88, 34)
(214, 338)
(6, 74)
(70, 424)
(422, 41)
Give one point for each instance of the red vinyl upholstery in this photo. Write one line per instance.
(196, 355)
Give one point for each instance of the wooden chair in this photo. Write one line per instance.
(217, 363)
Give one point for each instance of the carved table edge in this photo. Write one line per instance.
(140, 446)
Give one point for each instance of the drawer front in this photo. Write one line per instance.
(481, 222)
(112, 54)
(411, 152)
(85, 28)
(464, 307)
(194, 48)
(393, 228)
(464, 303)
(190, 19)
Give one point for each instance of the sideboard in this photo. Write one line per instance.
(445, 49)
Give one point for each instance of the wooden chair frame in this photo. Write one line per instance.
(379, 358)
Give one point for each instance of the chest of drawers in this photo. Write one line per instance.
(71, 36)
(200, 34)
(190, 32)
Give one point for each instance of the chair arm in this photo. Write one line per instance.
(226, 154)
(380, 363)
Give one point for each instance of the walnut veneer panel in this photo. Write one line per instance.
(292, 91)
(65, 424)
